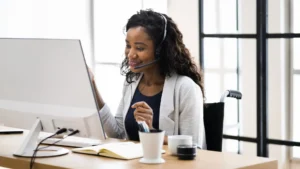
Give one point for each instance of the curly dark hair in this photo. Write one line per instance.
(174, 56)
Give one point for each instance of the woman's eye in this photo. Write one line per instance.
(140, 49)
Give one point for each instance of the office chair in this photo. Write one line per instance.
(214, 119)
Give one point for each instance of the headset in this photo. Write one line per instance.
(158, 49)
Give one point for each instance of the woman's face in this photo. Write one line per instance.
(139, 49)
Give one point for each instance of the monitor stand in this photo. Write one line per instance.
(30, 142)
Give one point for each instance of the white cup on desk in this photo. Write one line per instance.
(152, 143)
(176, 140)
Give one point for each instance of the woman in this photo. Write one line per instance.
(163, 86)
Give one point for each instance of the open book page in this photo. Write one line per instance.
(122, 150)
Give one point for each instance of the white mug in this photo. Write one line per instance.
(175, 140)
(152, 143)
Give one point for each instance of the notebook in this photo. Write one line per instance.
(120, 150)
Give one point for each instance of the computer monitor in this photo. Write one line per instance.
(44, 86)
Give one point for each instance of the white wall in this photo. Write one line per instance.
(279, 81)
(186, 16)
(70, 19)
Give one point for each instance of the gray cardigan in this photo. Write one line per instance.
(181, 110)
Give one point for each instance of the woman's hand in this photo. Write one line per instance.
(98, 96)
(91, 75)
(143, 112)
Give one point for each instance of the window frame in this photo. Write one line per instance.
(222, 70)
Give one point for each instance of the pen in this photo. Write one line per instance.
(143, 126)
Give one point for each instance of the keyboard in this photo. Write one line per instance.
(71, 141)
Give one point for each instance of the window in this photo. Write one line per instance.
(110, 18)
(221, 60)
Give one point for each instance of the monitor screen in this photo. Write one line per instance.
(47, 79)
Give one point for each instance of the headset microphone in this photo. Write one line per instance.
(157, 51)
(147, 64)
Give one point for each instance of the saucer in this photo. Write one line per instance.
(152, 161)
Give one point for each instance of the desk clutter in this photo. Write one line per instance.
(186, 152)
(179, 145)
(204, 159)
(182, 146)
(121, 150)
(152, 143)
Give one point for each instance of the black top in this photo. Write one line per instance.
(131, 125)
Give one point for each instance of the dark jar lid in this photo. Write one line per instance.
(186, 152)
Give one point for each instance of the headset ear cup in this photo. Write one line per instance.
(157, 54)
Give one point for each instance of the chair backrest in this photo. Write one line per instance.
(213, 123)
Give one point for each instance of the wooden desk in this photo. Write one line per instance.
(204, 159)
